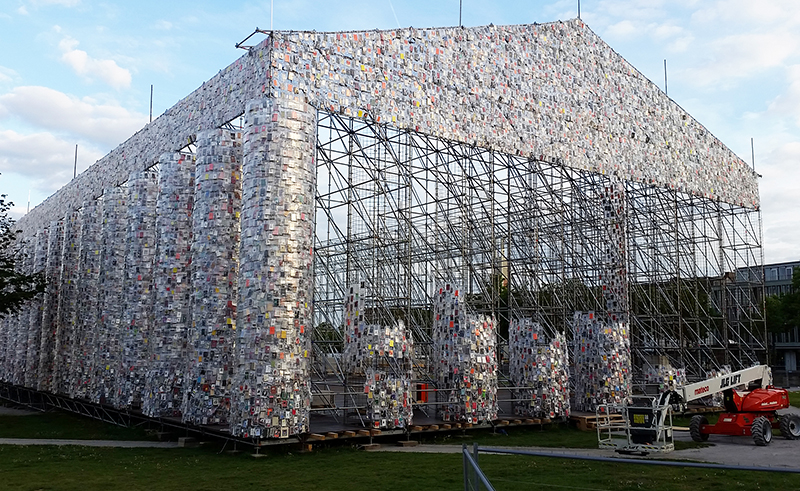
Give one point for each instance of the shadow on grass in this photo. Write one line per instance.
(553, 435)
(61, 425)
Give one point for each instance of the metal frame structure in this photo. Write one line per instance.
(524, 236)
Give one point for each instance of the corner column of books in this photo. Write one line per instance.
(17, 325)
(138, 285)
(9, 341)
(539, 369)
(602, 339)
(381, 357)
(272, 393)
(215, 264)
(21, 320)
(167, 341)
(464, 359)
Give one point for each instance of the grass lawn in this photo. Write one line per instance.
(63, 425)
(794, 399)
(554, 435)
(334, 468)
(342, 468)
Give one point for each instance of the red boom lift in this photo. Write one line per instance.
(747, 412)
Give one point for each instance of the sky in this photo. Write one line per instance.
(78, 72)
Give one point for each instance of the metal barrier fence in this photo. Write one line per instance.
(473, 475)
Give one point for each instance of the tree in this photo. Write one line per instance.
(16, 287)
(783, 312)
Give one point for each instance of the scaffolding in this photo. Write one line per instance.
(525, 237)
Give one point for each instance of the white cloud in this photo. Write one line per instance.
(163, 25)
(16, 212)
(748, 12)
(7, 74)
(781, 171)
(42, 157)
(678, 39)
(622, 29)
(90, 68)
(665, 31)
(787, 104)
(106, 124)
(741, 56)
(681, 44)
(742, 38)
(630, 20)
(63, 3)
(22, 10)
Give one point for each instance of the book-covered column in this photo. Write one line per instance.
(538, 366)
(85, 340)
(381, 356)
(138, 285)
(272, 393)
(215, 266)
(31, 369)
(602, 339)
(9, 329)
(112, 282)
(167, 345)
(63, 368)
(464, 359)
(17, 324)
(52, 271)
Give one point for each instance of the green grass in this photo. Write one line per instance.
(686, 420)
(554, 435)
(62, 425)
(794, 399)
(342, 468)
(335, 468)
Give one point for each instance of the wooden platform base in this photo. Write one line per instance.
(589, 423)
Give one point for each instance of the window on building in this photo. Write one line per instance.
(772, 274)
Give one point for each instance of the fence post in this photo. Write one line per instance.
(475, 480)
(466, 463)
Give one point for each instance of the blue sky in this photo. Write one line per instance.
(79, 72)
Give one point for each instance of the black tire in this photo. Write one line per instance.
(694, 428)
(790, 426)
(762, 431)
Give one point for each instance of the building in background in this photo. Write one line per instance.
(778, 281)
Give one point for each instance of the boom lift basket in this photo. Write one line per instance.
(646, 427)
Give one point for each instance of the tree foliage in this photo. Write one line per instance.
(783, 312)
(16, 287)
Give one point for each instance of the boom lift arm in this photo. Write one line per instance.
(715, 385)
